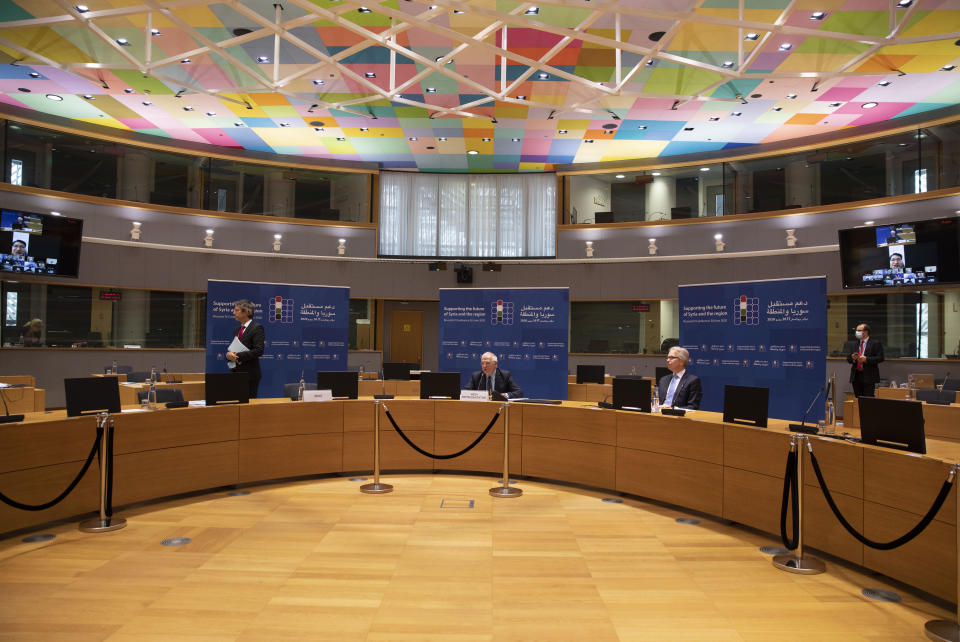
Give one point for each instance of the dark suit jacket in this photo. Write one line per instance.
(249, 359)
(688, 394)
(502, 383)
(873, 351)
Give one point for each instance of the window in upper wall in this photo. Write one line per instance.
(467, 216)
(16, 171)
(624, 327)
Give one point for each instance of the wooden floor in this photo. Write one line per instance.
(319, 560)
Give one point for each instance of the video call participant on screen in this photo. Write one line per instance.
(250, 333)
(679, 389)
(896, 262)
(19, 247)
(490, 377)
(864, 355)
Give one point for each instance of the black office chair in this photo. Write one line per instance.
(164, 395)
(137, 377)
(290, 389)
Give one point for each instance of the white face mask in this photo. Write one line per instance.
(859, 334)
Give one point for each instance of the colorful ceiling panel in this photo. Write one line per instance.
(487, 85)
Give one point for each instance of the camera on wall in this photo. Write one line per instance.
(464, 273)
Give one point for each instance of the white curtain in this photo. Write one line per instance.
(459, 215)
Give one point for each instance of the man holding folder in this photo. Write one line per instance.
(244, 352)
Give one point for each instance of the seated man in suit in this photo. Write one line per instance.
(490, 377)
(679, 389)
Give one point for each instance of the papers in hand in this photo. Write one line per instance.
(235, 346)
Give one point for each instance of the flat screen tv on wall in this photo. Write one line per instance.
(918, 253)
(41, 244)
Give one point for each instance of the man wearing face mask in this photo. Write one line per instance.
(864, 355)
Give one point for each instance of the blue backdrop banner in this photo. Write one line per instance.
(527, 328)
(770, 334)
(306, 329)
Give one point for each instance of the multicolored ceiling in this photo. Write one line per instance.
(487, 85)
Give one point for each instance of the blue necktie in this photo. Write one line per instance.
(671, 390)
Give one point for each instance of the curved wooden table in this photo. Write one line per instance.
(698, 462)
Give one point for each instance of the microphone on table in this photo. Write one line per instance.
(801, 427)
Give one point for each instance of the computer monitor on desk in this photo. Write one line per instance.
(226, 387)
(892, 423)
(631, 393)
(747, 405)
(90, 395)
(591, 374)
(397, 370)
(341, 384)
(434, 385)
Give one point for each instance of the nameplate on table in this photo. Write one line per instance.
(318, 395)
(474, 395)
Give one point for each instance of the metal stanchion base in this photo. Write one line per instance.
(376, 488)
(944, 630)
(97, 525)
(804, 565)
(506, 491)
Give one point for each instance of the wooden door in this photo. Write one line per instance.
(406, 336)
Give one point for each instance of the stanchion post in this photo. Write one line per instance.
(103, 523)
(946, 630)
(376, 488)
(504, 489)
(797, 562)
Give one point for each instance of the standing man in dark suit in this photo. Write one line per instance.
(864, 355)
(250, 333)
(490, 377)
(679, 389)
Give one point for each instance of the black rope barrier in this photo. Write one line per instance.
(108, 462)
(900, 541)
(453, 455)
(791, 491)
(59, 498)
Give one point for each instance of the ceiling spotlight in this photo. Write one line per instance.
(211, 113)
(947, 67)
(532, 11)
(155, 32)
(791, 96)
(786, 46)
(412, 139)
(714, 118)
(752, 36)
(88, 97)
(884, 83)
(364, 129)
(128, 91)
(736, 113)
(903, 4)
(704, 169)
(521, 97)
(778, 109)
(651, 62)
(620, 176)
(868, 105)
(458, 12)
(835, 104)
(341, 138)
(281, 124)
(473, 152)
(589, 140)
(486, 140)
(868, 222)
(431, 90)
(727, 64)
(34, 74)
(317, 82)
(641, 127)
(818, 15)
(123, 42)
(185, 61)
(516, 140)
(54, 97)
(562, 131)
(370, 74)
(543, 75)
(188, 108)
(442, 139)
(676, 104)
(688, 129)
(654, 173)
(363, 10)
(263, 60)
(82, 8)
(238, 124)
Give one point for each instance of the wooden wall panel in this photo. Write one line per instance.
(277, 419)
(170, 471)
(666, 478)
(40, 485)
(29, 445)
(906, 482)
(143, 431)
(290, 456)
(752, 499)
(591, 425)
(573, 461)
(755, 449)
(698, 440)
